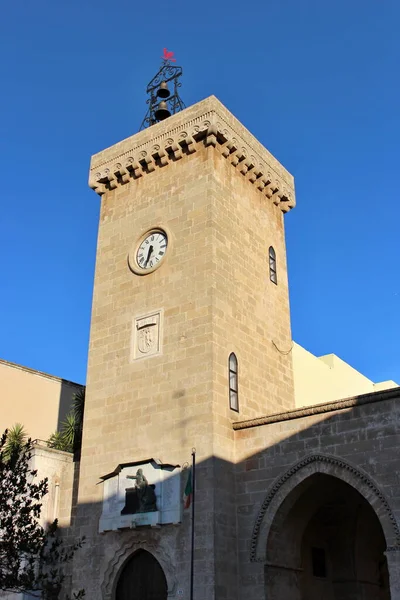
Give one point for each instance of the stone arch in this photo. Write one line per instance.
(142, 577)
(328, 465)
(122, 556)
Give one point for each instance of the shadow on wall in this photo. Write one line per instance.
(307, 512)
(67, 392)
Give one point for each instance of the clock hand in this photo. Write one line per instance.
(148, 255)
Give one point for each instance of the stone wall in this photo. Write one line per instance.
(355, 440)
(220, 196)
(58, 467)
(155, 407)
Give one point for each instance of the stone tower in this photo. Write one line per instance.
(191, 209)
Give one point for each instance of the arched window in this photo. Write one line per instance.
(233, 383)
(272, 265)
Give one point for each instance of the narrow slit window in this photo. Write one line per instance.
(233, 383)
(272, 265)
(318, 558)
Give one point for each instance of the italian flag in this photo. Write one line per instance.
(187, 494)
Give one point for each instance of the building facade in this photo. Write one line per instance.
(38, 401)
(191, 347)
(297, 456)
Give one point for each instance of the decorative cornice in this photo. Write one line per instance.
(122, 466)
(317, 409)
(207, 123)
(319, 460)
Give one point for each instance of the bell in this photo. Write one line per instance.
(163, 91)
(162, 111)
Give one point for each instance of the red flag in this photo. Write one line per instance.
(168, 55)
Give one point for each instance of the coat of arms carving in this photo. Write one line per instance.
(147, 335)
(146, 338)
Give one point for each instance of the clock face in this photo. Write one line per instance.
(152, 250)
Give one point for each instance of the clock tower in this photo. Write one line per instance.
(190, 332)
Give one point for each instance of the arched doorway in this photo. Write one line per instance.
(326, 543)
(142, 578)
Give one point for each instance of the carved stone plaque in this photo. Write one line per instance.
(147, 335)
(141, 493)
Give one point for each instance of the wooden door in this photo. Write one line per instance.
(142, 578)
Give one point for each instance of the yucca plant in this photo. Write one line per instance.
(78, 409)
(69, 437)
(57, 441)
(78, 405)
(65, 438)
(68, 430)
(15, 440)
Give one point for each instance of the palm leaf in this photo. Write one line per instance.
(68, 429)
(58, 442)
(78, 405)
(16, 438)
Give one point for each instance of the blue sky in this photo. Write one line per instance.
(316, 81)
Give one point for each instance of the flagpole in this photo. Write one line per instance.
(193, 514)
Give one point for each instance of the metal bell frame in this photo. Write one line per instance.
(168, 73)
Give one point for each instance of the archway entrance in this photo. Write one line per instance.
(326, 543)
(142, 578)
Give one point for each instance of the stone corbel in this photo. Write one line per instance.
(133, 166)
(228, 148)
(276, 197)
(236, 157)
(263, 182)
(271, 191)
(150, 166)
(287, 203)
(122, 173)
(98, 187)
(176, 150)
(162, 156)
(190, 144)
(254, 175)
(246, 166)
(211, 136)
(112, 181)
